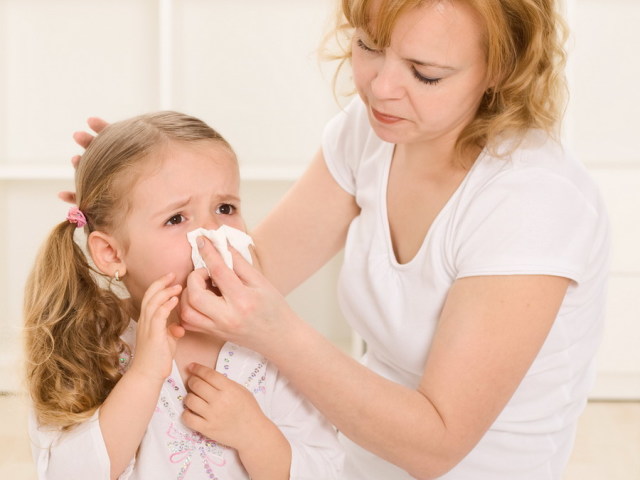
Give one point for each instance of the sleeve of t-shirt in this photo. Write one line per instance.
(343, 142)
(316, 452)
(527, 221)
(78, 453)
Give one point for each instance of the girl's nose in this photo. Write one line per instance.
(212, 223)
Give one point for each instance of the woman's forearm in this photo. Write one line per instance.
(394, 422)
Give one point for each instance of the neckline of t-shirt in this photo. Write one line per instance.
(385, 216)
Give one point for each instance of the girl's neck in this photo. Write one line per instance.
(199, 348)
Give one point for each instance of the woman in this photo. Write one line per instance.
(475, 250)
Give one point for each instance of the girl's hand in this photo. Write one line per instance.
(249, 310)
(155, 340)
(83, 139)
(223, 410)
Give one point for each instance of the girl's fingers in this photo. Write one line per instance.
(158, 286)
(176, 331)
(195, 403)
(204, 378)
(159, 299)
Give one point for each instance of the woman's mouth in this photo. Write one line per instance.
(384, 118)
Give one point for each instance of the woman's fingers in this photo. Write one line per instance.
(83, 138)
(97, 124)
(69, 197)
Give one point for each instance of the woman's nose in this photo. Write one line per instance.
(387, 82)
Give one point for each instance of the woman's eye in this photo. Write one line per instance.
(364, 46)
(175, 220)
(423, 79)
(225, 209)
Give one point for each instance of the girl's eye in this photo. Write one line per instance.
(225, 209)
(364, 46)
(423, 79)
(175, 220)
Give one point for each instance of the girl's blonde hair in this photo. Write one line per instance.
(524, 53)
(72, 324)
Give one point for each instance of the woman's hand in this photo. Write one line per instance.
(83, 139)
(155, 339)
(249, 310)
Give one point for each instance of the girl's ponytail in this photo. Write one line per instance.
(72, 333)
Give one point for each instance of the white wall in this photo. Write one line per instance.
(249, 69)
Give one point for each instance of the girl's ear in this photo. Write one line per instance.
(105, 252)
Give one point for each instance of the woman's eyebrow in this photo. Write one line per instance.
(429, 64)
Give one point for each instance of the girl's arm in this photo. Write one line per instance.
(127, 410)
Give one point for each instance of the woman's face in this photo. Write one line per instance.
(426, 86)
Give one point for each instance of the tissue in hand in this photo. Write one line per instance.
(236, 238)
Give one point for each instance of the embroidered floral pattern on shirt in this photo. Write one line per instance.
(185, 445)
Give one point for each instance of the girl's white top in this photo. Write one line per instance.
(534, 212)
(170, 450)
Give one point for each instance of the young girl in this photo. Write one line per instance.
(118, 398)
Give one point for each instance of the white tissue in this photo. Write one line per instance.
(236, 238)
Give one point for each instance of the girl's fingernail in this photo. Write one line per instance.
(200, 242)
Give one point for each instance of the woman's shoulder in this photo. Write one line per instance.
(536, 162)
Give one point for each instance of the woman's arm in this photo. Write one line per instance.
(489, 333)
(490, 330)
(306, 229)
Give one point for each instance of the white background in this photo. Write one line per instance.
(249, 68)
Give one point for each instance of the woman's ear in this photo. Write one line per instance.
(106, 254)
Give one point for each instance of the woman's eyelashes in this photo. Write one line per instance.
(364, 46)
(417, 75)
(423, 79)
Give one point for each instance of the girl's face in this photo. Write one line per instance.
(427, 84)
(192, 185)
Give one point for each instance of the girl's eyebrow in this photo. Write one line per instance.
(172, 207)
(183, 202)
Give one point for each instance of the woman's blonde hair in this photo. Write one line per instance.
(524, 53)
(72, 324)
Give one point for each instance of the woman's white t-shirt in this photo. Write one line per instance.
(533, 212)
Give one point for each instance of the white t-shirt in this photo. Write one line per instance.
(170, 450)
(535, 212)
